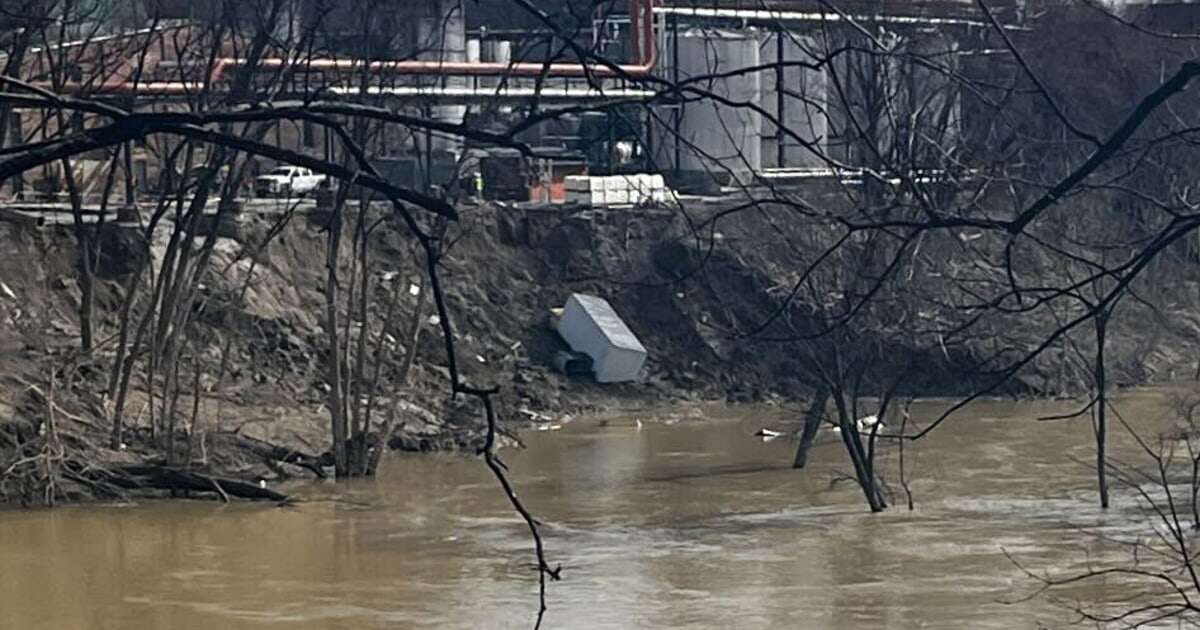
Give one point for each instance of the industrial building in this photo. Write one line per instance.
(708, 93)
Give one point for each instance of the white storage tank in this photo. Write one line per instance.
(723, 141)
(498, 51)
(591, 326)
(802, 95)
(936, 119)
(441, 35)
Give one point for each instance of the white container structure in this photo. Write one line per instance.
(591, 326)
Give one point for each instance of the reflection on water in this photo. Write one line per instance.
(692, 524)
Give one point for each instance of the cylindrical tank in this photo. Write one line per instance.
(498, 51)
(798, 103)
(934, 100)
(923, 104)
(441, 31)
(441, 35)
(714, 140)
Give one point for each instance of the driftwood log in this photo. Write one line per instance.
(155, 477)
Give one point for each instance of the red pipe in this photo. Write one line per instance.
(641, 15)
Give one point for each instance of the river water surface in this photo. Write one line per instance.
(688, 522)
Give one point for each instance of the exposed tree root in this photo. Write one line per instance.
(275, 453)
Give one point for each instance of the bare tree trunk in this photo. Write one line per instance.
(86, 273)
(1101, 404)
(194, 425)
(372, 388)
(128, 349)
(115, 375)
(333, 362)
(362, 421)
(12, 65)
(812, 423)
(862, 468)
(412, 336)
(174, 312)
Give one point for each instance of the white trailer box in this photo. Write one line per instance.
(591, 326)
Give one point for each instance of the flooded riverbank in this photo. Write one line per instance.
(689, 521)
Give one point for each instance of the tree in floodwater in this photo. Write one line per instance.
(959, 163)
(1161, 568)
(205, 102)
(212, 99)
(983, 205)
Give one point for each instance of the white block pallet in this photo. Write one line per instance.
(617, 190)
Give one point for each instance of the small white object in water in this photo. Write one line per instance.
(262, 483)
(767, 434)
(865, 424)
(967, 238)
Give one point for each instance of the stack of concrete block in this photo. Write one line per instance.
(638, 189)
(586, 190)
(648, 188)
(616, 189)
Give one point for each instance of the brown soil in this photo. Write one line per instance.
(505, 270)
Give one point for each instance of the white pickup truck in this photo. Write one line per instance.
(285, 181)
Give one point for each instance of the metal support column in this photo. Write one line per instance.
(780, 159)
(678, 113)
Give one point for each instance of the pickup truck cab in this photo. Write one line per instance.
(284, 181)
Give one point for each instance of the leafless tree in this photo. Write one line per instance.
(948, 225)
(1161, 565)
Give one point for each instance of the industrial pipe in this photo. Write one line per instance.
(641, 23)
(775, 17)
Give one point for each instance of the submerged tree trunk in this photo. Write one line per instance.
(812, 423)
(863, 469)
(1100, 405)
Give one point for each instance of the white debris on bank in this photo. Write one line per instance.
(591, 326)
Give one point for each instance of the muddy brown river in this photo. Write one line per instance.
(688, 522)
